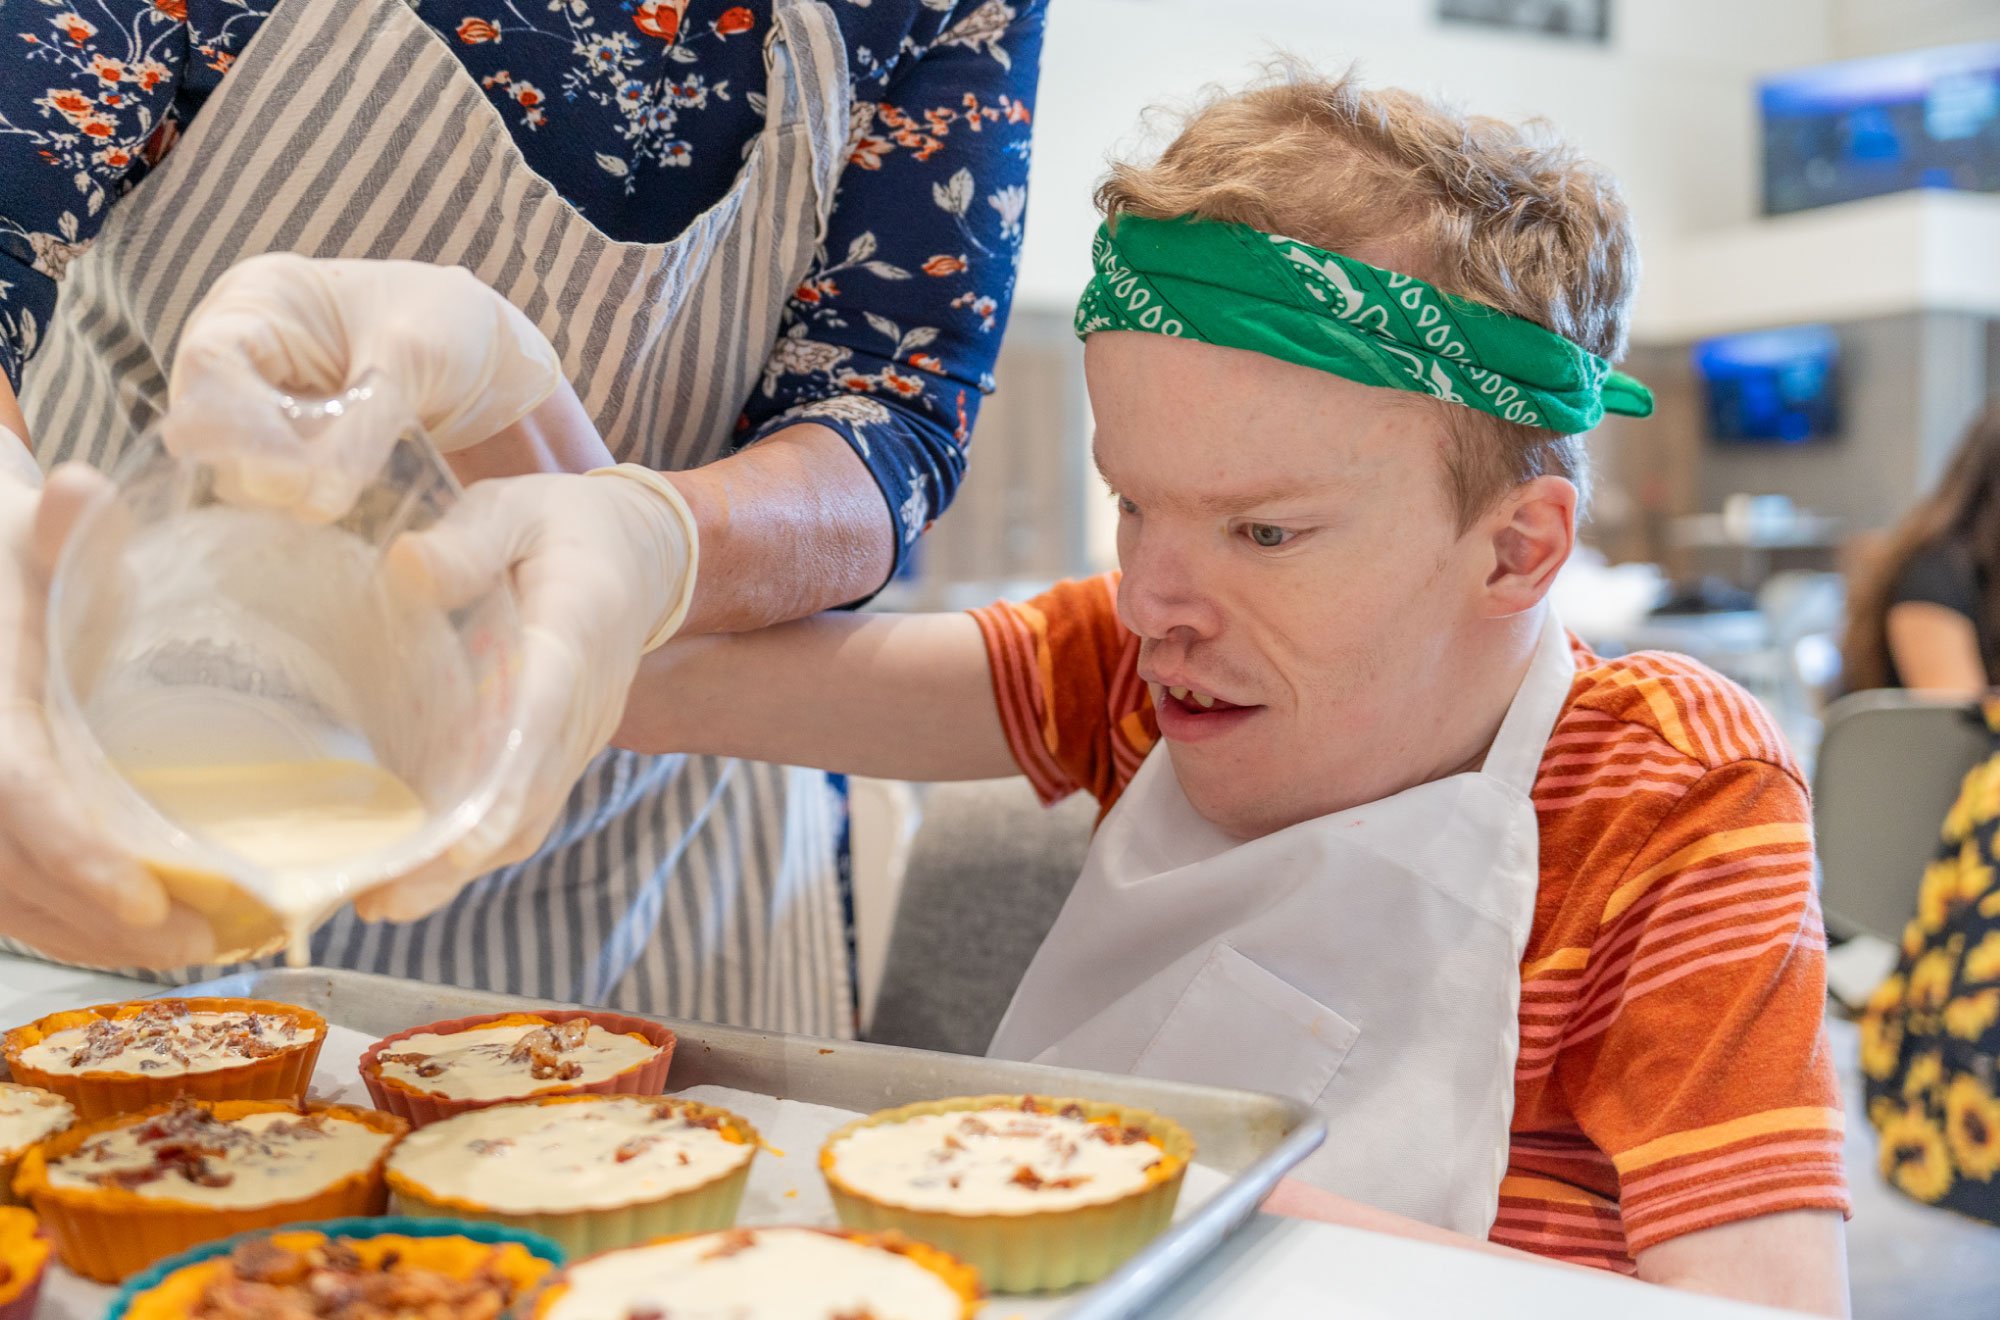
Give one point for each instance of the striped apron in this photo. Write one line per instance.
(690, 886)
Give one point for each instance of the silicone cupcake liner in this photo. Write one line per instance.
(281, 1076)
(24, 1253)
(424, 1107)
(961, 1277)
(10, 1157)
(108, 1233)
(701, 1209)
(1029, 1251)
(489, 1235)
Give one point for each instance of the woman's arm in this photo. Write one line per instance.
(1935, 649)
(897, 696)
(889, 342)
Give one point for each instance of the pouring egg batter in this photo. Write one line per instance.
(289, 820)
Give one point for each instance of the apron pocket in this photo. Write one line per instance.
(1238, 1024)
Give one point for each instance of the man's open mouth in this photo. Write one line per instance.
(1193, 701)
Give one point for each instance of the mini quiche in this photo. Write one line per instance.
(120, 1193)
(767, 1274)
(446, 1068)
(343, 1271)
(118, 1058)
(24, 1253)
(587, 1171)
(27, 1115)
(1036, 1194)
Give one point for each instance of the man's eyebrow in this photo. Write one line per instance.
(1234, 502)
(1250, 498)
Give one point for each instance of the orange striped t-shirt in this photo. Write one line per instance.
(1673, 1072)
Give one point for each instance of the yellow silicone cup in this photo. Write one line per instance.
(702, 1209)
(1030, 1251)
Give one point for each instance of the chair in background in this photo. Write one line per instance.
(988, 871)
(1888, 770)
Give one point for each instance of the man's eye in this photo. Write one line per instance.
(1267, 537)
(1125, 505)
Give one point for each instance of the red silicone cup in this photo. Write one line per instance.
(422, 1107)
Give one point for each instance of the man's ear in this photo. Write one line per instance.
(1532, 531)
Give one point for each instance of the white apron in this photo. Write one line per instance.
(1367, 963)
(690, 886)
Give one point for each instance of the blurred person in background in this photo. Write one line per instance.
(1925, 614)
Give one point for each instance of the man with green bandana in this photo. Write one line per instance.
(1535, 930)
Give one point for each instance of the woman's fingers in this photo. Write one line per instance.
(468, 552)
(48, 826)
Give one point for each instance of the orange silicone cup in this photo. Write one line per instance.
(280, 1076)
(24, 1252)
(110, 1233)
(648, 1077)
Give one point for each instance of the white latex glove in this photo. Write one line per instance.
(459, 357)
(64, 890)
(604, 567)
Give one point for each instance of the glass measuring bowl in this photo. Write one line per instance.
(259, 707)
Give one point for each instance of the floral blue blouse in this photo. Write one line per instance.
(637, 111)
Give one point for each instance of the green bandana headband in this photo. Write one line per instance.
(1232, 285)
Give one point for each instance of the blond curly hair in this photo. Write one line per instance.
(1509, 215)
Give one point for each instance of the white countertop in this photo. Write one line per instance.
(1274, 1267)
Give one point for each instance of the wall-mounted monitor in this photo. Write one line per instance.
(1888, 123)
(1776, 387)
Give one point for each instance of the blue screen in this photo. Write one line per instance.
(1771, 386)
(1890, 123)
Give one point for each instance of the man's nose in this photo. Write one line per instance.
(1165, 590)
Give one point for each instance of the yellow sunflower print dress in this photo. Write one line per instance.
(1930, 1037)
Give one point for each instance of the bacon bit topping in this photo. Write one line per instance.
(185, 1140)
(488, 1145)
(1113, 1135)
(539, 1048)
(328, 1281)
(975, 1127)
(261, 1262)
(734, 1242)
(634, 1148)
(1025, 1176)
(169, 1031)
(422, 1064)
(1072, 1111)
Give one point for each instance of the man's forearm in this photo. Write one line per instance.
(791, 526)
(898, 696)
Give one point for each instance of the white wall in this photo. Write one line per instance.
(1873, 27)
(1668, 105)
